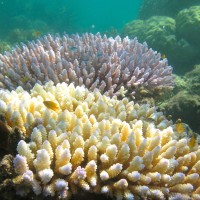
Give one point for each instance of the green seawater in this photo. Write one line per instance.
(168, 26)
(103, 15)
(19, 19)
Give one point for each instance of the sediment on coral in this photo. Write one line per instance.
(94, 143)
(113, 65)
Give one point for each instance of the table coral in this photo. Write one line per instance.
(98, 144)
(113, 65)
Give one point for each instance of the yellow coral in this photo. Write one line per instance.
(99, 145)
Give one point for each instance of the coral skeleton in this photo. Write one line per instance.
(113, 65)
(97, 144)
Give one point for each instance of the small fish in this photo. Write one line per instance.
(163, 56)
(180, 127)
(51, 105)
(192, 141)
(36, 33)
(153, 117)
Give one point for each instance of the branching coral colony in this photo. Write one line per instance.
(85, 141)
(92, 60)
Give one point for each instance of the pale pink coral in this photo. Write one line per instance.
(93, 60)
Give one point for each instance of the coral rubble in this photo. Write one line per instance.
(98, 144)
(92, 60)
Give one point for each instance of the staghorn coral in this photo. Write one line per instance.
(92, 60)
(98, 144)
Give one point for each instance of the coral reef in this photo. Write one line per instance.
(21, 35)
(185, 102)
(92, 60)
(185, 106)
(85, 141)
(188, 25)
(23, 111)
(7, 172)
(161, 33)
(164, 7)
(9, 137)
(134, 29)
(157, 31)
(192, 79)
(4, 46)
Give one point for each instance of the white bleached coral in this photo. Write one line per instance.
(29, 113)
(101, 145)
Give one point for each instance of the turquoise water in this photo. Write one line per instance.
(103, 15)
(171, 27)
(176, 39)
(65, 15)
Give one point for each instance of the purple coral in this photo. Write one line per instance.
(93, 60)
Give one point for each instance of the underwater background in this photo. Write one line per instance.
(70, 16)
(171, 27)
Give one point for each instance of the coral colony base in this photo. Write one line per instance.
(85, 141)
(93, 60)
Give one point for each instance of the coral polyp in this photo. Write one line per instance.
(98, 144)
(113, 65)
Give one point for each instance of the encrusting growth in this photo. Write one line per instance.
(98, 144)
